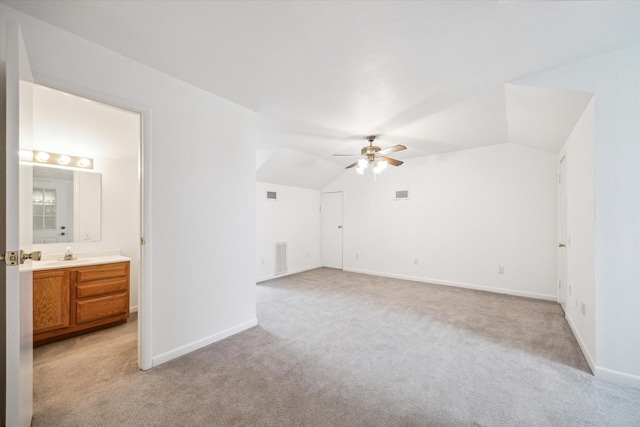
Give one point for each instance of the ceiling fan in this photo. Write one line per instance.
(373, 155)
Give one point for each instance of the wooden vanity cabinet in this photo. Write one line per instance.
(72, 301)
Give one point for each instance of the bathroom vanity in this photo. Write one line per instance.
(79, 296)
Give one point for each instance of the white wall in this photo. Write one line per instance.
(614, 78)
(200, 223)
(580, 247)
(294, 218)
(468, 213)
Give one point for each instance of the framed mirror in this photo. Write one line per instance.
(67, 205)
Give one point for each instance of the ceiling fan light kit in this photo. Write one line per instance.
(373, 155)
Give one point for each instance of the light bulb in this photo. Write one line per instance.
(360, 170)
(83, 163)
(380, 166)
(362, 163)
(42, 156)
(64, 159)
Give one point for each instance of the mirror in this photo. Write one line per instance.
(66, 205)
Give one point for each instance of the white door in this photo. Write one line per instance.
(18, 284)
(332, 230)
(562, 233)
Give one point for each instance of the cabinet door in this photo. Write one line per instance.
(51, 300)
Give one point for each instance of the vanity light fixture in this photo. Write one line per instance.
(62, 160)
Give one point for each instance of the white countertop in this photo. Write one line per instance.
(83, 259)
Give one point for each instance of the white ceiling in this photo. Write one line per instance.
(429, 75)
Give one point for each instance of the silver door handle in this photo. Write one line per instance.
(35, 255)
(561, 245)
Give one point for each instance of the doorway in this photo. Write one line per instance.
(332, 230)
(111, 137)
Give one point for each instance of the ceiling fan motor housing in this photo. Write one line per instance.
(371, 150)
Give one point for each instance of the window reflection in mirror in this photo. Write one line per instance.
(66, 205)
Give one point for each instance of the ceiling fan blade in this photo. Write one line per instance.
(391, 161)
(346, 155)
(392, 149)
(352, 165)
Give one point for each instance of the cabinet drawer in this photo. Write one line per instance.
(99, 308)
(102, 288)
(101, 272)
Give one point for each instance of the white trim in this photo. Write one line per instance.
(145, 330)
(188, 348)
(585, 351)
(617, 377)
(133, 309)
(458, 285)
(289, 273)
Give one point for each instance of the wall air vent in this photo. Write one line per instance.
(272, 195)
(280, 258)
(402, 195)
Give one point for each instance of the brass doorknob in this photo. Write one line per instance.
(561, 245)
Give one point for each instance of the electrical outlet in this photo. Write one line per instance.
(357, 256)
(569, 289)
(262, 261)
(415, 261)
(501, 269)
(307, 254)
(583, 309)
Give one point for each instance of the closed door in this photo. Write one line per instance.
(332, 230)
(562, 233)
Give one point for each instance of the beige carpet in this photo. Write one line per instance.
(342, 349)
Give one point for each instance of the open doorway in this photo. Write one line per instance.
(102, 221)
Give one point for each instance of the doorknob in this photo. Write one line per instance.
(561, 245)
(339, 226)
(35, 255)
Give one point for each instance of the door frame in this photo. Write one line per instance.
(145, 360)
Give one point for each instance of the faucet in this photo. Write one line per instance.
(68, 255)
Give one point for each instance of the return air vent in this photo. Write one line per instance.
(280, 258)
(402, 195)
(272, 195)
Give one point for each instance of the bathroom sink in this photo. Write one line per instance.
(63, 263)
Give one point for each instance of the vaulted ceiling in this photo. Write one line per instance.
(434, 76)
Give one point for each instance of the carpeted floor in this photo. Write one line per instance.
(342, 349)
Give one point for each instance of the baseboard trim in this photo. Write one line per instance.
(181, 351)
(457, 284)
(288, 273)
(585, 351)
(617, 377)
(133, 309)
